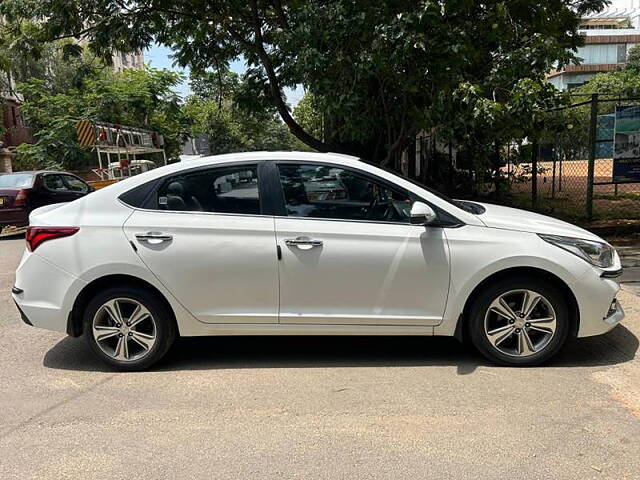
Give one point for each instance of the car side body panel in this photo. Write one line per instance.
(364, 273)
(101, 248)
(477, 253)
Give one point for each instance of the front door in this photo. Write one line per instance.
(205, 239)
(55, 190)
(350, 256)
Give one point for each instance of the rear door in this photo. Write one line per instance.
(54, 190)
(205, 237)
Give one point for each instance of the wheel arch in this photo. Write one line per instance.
(74, 322)
(533, 272)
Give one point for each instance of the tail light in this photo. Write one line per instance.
(36, 236)
(22, 198)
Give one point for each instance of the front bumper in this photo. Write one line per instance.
(615, 313)
(598, 307)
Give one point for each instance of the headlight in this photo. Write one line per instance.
(599, 254)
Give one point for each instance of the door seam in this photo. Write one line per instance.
(280, 260)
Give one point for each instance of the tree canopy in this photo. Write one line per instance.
(221, 108)
(84, 88)
(380, 71)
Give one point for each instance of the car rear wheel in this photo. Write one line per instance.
(519, 322)
(129, 328)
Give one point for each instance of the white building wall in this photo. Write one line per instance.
(122, 61)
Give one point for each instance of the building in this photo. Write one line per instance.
(15, 131)
(608, 38)
(122, 61)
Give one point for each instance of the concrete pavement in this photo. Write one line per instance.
(303, 407)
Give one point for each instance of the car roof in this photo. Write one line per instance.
(279, 155)
(141, 161)
(107, 197)
(34, 172)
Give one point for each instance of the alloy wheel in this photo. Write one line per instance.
(520, 323)
(124, 329)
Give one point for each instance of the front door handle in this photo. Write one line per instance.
(303, 241)
(153, 237)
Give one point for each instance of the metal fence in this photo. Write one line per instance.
(580, 170)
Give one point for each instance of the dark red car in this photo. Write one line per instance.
(22, 192)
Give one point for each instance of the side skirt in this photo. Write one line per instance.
(203, 329)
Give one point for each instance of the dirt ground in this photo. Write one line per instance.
(570, 190)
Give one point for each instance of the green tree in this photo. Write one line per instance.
(218, 107)
(309, 115)
(84, 88)
(633, 60)
(381, 70)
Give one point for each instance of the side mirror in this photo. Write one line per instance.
(421, 214)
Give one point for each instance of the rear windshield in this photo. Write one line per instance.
(16, 180)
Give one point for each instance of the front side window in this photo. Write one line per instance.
(219, 190)
(322, 191)
(75, 184)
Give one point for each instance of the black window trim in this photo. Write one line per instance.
(149, 202)
(282, 208)
(271, 194)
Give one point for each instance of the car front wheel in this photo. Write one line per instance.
(519, 322)
(128, 328)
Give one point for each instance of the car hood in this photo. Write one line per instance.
(508, 218)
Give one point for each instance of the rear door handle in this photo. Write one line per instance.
(153, 237)
(303, 241)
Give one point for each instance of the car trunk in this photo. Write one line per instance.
(7, 197)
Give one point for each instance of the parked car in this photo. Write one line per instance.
(134, 167)
(22, 192)
(165, 253)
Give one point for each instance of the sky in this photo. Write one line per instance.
(160, 57)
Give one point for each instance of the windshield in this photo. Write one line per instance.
(467, 206)
(16, 180)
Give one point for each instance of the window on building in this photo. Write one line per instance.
(594, 54)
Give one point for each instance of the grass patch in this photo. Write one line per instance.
(619, 196)
(554, 207)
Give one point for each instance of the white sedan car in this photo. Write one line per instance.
(307, 244)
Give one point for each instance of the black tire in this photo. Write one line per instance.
(476, 325)
(165, 326)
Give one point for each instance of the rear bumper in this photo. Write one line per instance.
(24, 318)
(14, 216)
(44, 293)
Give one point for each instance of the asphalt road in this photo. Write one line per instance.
(243, 408)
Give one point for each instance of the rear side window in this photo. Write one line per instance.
(219, 190)
(16, 180)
